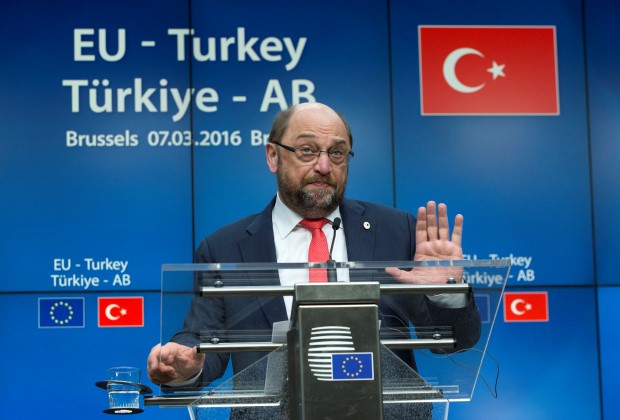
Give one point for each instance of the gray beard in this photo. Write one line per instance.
(316, 208)
(306, 204)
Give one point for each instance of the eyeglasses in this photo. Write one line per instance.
(309, 154)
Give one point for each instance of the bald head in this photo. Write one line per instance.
(281, 121)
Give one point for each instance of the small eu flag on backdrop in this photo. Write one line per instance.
(352, 366)
(61, 312)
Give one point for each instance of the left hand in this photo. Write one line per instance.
(173, 362)
(433, 242)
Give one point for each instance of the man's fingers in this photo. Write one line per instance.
(167, 355)
(431, 221)
(444, 229)
(433, 224)
(153, 367)
(153, 360)
(457, 232)
(398, 274)
(393, 271)
(420, 228)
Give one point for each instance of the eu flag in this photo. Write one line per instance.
(352, 366)
(61, 312)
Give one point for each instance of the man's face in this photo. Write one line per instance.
(312, 190)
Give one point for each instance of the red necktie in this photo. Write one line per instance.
(318, 251)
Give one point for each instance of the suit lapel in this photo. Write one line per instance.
(259, 246)
(359, 228)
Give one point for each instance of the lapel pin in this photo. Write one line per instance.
(366, 225)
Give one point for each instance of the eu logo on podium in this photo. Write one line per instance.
(352, 366)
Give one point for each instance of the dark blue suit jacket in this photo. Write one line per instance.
(391, 237)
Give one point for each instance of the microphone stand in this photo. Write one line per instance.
(332, 276)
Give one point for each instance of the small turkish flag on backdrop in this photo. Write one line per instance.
(488, 70)
(526, 306)
(121, 311)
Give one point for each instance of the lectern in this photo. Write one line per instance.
(365, 346)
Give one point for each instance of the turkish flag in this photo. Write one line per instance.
(526, 306)
(488, 70)
(121, 311)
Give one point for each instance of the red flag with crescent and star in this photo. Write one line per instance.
(121, 311)
(526, 307)
(488, 70)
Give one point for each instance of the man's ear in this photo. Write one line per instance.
(272, 157)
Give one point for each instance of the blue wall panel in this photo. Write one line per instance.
(604, 99)
(547, 370)
(540, 189)
(610, 366)
(129, 203)
(519, 180)
(53, 371)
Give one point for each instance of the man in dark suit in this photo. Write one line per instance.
(308, 151)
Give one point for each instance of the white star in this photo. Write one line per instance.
(497, 70)
(123, 312)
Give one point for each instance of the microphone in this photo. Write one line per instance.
(335, 226)
(331, 270)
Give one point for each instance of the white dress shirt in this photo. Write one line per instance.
(292, 242)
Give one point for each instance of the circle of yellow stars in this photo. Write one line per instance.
(58, 305)
(360, 366)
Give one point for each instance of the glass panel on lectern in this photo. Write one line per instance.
(434, 333)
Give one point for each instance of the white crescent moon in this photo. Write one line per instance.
(513, 307)
(449, 72)
(108, 312)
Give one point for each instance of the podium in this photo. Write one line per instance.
(365, 346)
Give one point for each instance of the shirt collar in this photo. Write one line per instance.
(286, 220)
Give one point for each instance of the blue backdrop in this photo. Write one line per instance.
(104, 158)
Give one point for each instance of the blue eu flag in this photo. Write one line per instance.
(352, 366)
(61, 312)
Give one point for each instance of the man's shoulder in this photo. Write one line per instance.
(231, 228)
(226, 243)
(244, 226)
(371, 208)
